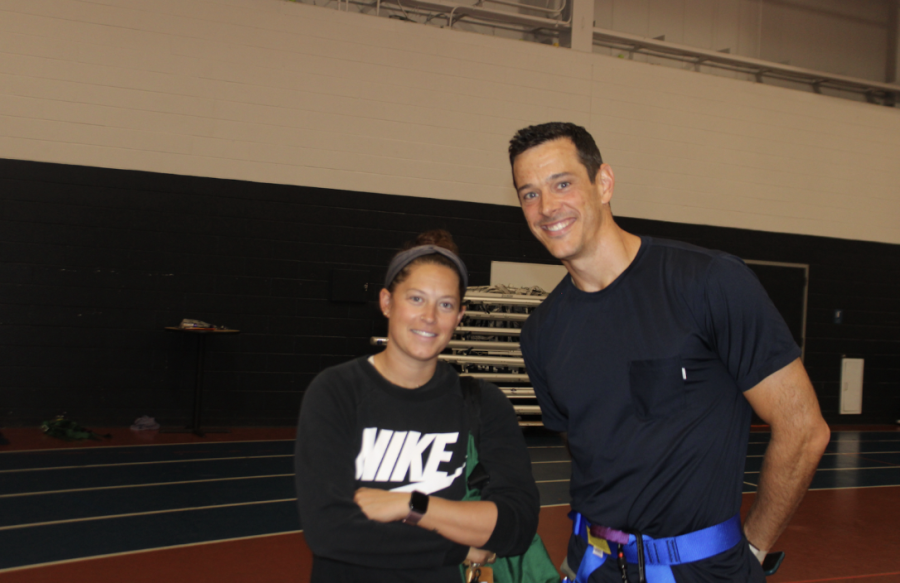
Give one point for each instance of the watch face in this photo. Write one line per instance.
(418, 506)
(418, 502)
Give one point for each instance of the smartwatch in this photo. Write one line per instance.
(418, 506)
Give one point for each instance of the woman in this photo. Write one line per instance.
(381, 445)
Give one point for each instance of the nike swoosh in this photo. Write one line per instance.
(432, 485)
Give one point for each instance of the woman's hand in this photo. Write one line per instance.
(480, 556)
(382, 505)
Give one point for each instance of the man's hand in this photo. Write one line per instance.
(382, 505)
(787, 402)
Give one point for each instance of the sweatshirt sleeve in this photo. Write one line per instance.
(334, 525)
(503, 453)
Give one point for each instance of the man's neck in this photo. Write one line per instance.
(611, 256)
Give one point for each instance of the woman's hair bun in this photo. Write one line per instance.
(438, 238)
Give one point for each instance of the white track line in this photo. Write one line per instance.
(190, 443)
(843, 469)
(211, 459)
(19, 495)
(854, 487)
(843, 441)
(857, 453)
(141, 551)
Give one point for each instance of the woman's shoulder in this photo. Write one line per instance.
(493, 400)
(352, 367)
(346, 374)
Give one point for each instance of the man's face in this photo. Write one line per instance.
(563, 208)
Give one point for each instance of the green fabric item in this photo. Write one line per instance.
(534, 566)
(67, 429)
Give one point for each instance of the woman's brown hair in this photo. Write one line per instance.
(438, 238)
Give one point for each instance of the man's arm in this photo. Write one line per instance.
(787, 402)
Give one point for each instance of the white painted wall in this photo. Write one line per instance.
(706, 24)
(272, 91)
(847, 38)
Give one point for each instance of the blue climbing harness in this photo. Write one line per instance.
(659, 554)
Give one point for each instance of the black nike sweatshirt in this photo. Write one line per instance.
(357, 429)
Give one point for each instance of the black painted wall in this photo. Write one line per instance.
(94, 263)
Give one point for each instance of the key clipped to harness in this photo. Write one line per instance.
(477, 573)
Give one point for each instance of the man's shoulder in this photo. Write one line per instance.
(689, 261)
(682, 250)
(555, 300)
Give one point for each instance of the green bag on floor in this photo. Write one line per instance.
(68, 430)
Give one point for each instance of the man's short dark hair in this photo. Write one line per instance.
(532, 136)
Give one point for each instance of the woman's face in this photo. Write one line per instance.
(423, 311)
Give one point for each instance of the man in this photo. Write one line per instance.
(649, 356)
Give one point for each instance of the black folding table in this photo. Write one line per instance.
(195, 427)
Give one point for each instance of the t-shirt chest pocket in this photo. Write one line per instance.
(657, 387)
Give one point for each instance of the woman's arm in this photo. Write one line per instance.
(465, 523)
(504, 454)
(505, 520)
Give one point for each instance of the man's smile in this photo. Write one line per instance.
(557, 226)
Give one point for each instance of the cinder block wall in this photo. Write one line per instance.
(107, 237)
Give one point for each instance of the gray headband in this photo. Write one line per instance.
(404, 258)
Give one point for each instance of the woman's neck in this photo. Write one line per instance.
(403, 372)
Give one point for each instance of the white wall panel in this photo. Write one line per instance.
(839, 37)
(726, 25)
(666, 18)
(271, 91)
(699, 23)
(603, 13)
(749, 15)
(631, 17)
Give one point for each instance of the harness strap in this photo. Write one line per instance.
(659, 554)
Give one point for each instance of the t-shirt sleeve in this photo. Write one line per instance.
(504, 455)
(746, 329)
(551, 416)
(334, 525)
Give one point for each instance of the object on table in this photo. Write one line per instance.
(145, 423)
(188, 324)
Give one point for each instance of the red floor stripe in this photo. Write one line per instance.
(275, 559)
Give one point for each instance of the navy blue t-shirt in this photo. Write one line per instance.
(647, 377)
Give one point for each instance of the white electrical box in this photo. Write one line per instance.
(851, 386)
